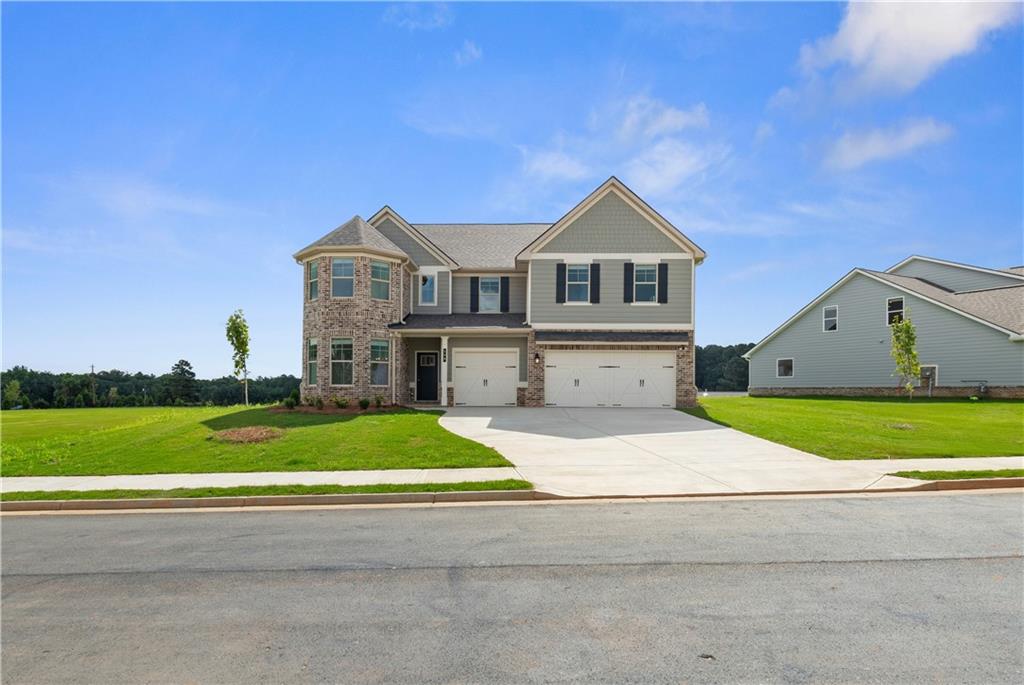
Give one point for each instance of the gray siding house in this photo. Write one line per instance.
(593, 310)
(970, 334)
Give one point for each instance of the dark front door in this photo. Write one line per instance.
(426, 377)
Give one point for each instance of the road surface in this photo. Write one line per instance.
(886, 589)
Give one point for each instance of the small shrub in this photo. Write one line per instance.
(378, 401)
(41, 404)
(364, 403)
(295, 396)
(289, 403)
(341, 402)
(319, 403)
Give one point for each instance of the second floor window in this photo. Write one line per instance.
(380, 280)
(311, 362)
(490, 294)
(645, 283)
(342, 276)
(577, 283)
(314, 281)
(378, 362)
(341, 361)
(830, 319)
(428, 289)
(893, 310)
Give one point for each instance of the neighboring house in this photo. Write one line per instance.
(970, 333)
(594, 310)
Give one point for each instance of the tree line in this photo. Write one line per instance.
(26, 387)
(722, 367)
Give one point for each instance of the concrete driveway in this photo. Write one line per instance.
(658, 452)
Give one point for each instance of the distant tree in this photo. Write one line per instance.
(182, 383)
(718, 367)
(238, 336)
(113, 398)
(12, 394)
(904, 353)
(79, 401)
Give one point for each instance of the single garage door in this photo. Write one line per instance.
(485, 378)
(611, 378)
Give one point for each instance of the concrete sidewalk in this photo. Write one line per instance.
(167, 481)
(640, 452)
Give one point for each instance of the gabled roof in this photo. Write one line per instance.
(354, 233)
(483, 246)
(386, 212)
(614, 185)
(1013, 272)
(1000, 308)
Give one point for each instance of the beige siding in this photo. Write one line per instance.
(611, 225)
(857, 355)
(443, 283)
(611, 309)
(409, 245)
(516, 296)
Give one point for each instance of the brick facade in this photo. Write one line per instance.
(360, 318)
(994, 392)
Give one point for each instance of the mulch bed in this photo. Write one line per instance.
(248, 434)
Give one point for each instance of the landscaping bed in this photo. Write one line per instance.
(142, 440)
(875, 428)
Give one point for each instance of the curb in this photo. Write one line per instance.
(450, 497)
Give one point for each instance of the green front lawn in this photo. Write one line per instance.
(267, 490)
(136, 440)
(856, 428)
(960, 475)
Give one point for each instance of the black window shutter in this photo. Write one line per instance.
(627, 282)
(560, 283)
(474, 293)
(662, 282)
(595, 283)
(504, 293)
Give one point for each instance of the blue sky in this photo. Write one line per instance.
(162, 162)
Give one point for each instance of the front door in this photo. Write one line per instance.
(426, 377)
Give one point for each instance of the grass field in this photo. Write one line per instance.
(267, 490)
(137, 440)
(845, 428)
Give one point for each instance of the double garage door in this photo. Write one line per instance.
(612, 378)
(485, 378)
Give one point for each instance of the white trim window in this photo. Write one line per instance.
(380, 280)
(313, 278)
(490, 294)
(343, 276)
(428, 289)
(830, 318)
(341, 361)
(645, 283)
(311, 360)
(577, 283)
(893, 310)
(379, 358)
(784, 368)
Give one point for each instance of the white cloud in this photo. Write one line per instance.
(469, 52)
(417, 16)
(553, 165)
(764, 131)
(854, 150)
(894, 46)
(662, 168)
(649, 118)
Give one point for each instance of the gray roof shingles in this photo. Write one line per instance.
(437, 321)
(355, 233)
(482, 246)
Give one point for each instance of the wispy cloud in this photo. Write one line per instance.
(132, 197)
(663, 167)
(764, 131)
(894, 46)
(469, 52)
(647, 117)
(553, 165)
(417, 16)
(855, 149)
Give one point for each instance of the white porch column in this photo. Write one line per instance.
(444, 371)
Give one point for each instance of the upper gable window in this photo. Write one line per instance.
(577, 282)
(645, 283)
(314, 280)
(380, 280)
(342, 276)
(893, 310)
(428, 289)
(490, 294)
(830, 318)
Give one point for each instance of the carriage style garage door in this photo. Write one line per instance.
(611, 378)
(485, 377)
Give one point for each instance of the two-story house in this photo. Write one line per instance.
(594, 310)
(970, 333)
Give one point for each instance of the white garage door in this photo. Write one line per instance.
(612, 378)
(485, 378)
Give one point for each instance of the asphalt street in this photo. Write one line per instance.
(886, 589)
